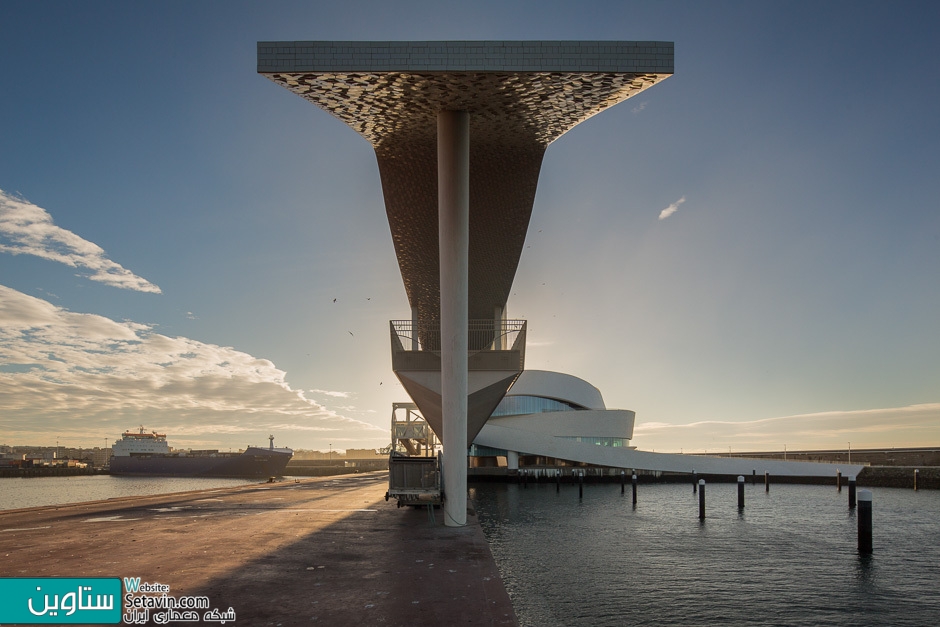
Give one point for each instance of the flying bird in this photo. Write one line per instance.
(350, 332)
(334, 300)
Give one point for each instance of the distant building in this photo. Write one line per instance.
(364, 453)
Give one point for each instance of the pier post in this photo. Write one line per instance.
(766, 481)
(694, 481)
(581, 484)
(864, 521)
(634, 489)
(623, 481)
(851, 492)
(839, 480)
(740, 492)
(701, 499)
(525, 479)
(916, 473)
(754, 477)
(557, 481)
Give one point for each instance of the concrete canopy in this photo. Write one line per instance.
(521, 96)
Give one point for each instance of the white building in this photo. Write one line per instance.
(558, 416)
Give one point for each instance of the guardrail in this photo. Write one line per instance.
(482, 335)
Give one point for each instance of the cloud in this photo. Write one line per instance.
(671, 209)
(84, 376)
(331, 393)
(910, 425)
(26, 229)
(640, 107)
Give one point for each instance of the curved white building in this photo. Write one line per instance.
(558, 405)
(555, 415)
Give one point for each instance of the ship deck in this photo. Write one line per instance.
(326, 550)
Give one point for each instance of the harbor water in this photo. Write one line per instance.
(43, 491)
(789, 557)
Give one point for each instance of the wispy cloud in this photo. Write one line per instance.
(26, 229)
(910, 425)
(671, 209)
(86, 375)
(334, 394)
(640, 107)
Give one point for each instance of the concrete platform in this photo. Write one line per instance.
(327, 550)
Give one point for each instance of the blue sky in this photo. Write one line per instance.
(174, 227)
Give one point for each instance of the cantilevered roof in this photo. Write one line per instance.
(521, 95)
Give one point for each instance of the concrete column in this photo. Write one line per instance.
(453, 198)
(512, 460)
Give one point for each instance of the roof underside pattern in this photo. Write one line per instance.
(521, 96)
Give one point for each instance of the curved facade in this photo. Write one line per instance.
(560, 406)
(599, 436)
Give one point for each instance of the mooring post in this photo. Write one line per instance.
(694, 481)
(581, 484)
(557, 481)
(916, 473)
(740, 492)
(525, 479)
(754, 477)
(634, 489)
(864, 521)
(766, 481)
(623, 481)
(839, 480)
(851, 492)
(701, 499)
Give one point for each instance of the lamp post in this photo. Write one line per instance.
(331, 453)
(850, 452)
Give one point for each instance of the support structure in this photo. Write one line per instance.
(430, 109)
(453, 184)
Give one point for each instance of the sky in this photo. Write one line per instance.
(747, 254)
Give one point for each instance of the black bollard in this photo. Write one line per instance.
(851, 492)
(581, 484)
(766, 481)
(864, 521)
(916, 472)
(701, 499)
(740, 492)
(839, 480)
(623, 481)
(694, 482)
(634, 489)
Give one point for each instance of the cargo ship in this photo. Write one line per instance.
(143, 453)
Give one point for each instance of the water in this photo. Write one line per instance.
(789, 559)
(42, 491)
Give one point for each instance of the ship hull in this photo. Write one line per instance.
(253, 463)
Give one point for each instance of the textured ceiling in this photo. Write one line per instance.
(514, 115)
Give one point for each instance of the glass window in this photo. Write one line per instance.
(516, 405)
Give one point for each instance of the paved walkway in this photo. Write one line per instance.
(328, 550)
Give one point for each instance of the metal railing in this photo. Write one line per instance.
(483, 335)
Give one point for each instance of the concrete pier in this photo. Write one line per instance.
(328, 550)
